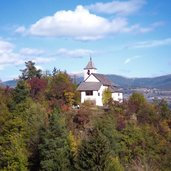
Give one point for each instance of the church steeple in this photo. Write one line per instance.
(90, 65)
(89, 69)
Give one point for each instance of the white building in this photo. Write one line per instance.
(94, 84)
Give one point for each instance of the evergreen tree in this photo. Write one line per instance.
(20, 92)
(93, 154)
(54, 148)
(55, 71)
(30, 71)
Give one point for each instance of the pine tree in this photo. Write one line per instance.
(54, 148)
(30, 71)
(93, 154)
(21, 92)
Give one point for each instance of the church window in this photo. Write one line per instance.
(88, 72)
(89, 93)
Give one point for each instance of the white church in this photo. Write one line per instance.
(94, 84)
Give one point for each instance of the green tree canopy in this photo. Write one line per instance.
(93, 154)
(136, 102)
(21, 92)
(106, 96)
(54, 147)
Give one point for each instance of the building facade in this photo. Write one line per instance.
(94, 84)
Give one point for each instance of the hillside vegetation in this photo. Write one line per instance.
(39, 129)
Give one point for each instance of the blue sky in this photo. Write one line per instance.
(131, 38)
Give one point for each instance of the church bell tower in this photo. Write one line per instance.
(89, 69)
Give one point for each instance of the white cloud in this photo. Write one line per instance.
(41, 60)
(76, 53)
(117, 7)
(139, 29)
(10, 59)
(151, 43)
(79, 24)
(128, 60)
(8, 56)
(31, 51)
(39, 67)
(20, 29)
(5, 46)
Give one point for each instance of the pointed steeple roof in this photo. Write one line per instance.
(90, 65)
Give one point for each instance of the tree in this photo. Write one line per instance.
(32, 115)
(136, 102)
(53, 147)
(13, 152)
(93, 154)
(21, 91)
(114, 165)
(60, 90)
(163, 109)
(131, 144)
(55, 71)
(37, 85)
(30, 71)
(106, 96)
(147, 114)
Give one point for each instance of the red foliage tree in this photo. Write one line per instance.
(37, 86)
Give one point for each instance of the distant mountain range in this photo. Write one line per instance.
(10, 83)
(161, 82)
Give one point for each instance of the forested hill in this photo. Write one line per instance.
(10, 83)
(161, 82)
(41, 130)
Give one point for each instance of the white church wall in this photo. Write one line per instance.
(117, 96)
(82, 96)
(85, 97)
(97, 96)
(91, 78)
(91, 71)
(99, 101)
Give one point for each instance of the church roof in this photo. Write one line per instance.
(90, 65)
(85, 86)
(103, 79)
(113, 89)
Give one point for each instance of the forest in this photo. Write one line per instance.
(40, 129)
